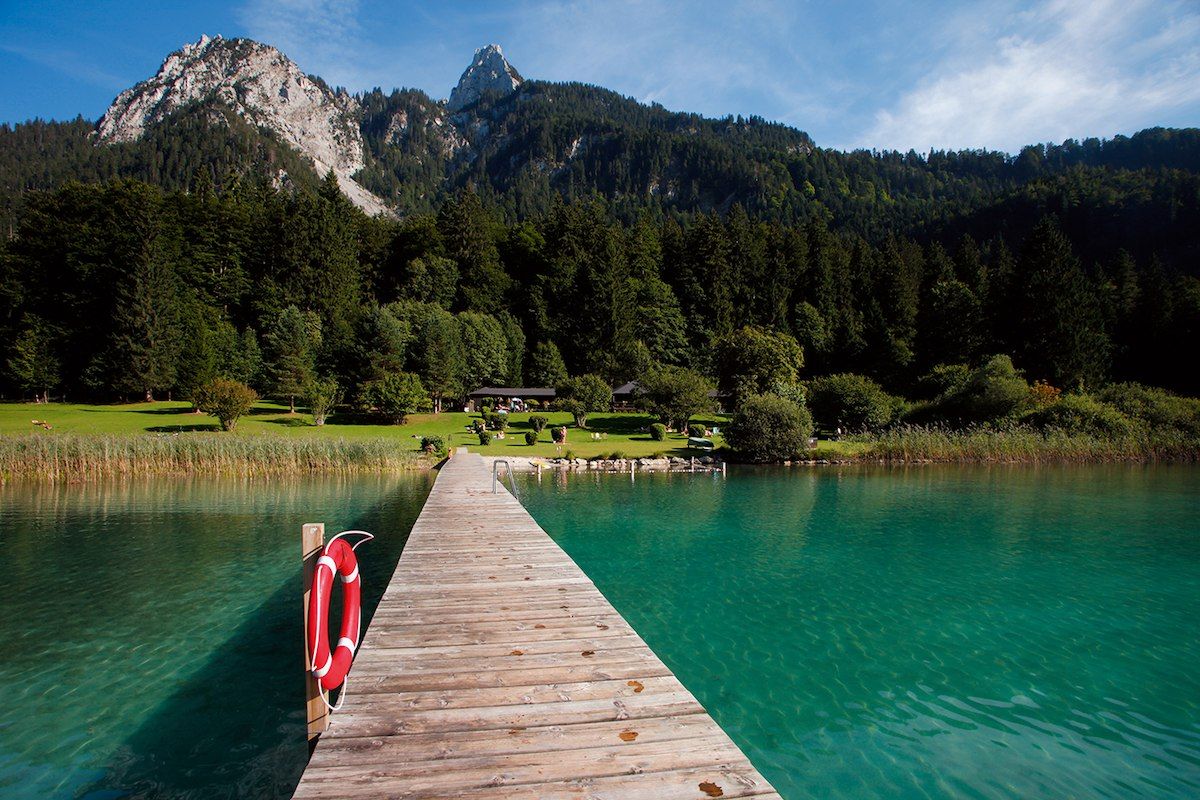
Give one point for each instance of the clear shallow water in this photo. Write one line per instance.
(152, 631)
(1008, 632)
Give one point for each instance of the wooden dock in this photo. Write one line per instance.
(494, 668)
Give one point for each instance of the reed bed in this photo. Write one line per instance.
(1020, 444)
(74, 458)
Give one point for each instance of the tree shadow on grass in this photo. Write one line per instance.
(236, 728)
(259, 411)
(126, 410)
(623, 425)
(290, 422)
(199, 427)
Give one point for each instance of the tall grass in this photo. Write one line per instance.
(71, 457)
(1022, 444)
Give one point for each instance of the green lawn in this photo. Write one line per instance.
(620, 432)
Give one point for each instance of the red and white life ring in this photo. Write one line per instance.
(330, 668)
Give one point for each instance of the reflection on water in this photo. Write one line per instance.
(152, 630)
(1002, 632)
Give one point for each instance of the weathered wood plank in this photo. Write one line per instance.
(494, 667)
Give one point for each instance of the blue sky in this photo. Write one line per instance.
(996, 74)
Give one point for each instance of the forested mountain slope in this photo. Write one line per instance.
(539, 227)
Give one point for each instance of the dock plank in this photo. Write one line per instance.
(493, 667)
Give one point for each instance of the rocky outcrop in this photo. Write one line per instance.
(489, 72)
(263, 86)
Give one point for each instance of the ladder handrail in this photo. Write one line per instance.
(512, 481)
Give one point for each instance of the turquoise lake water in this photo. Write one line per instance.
(924, 633)
(960, 632)
(152, 631)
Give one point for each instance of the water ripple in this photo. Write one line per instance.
(930, 633)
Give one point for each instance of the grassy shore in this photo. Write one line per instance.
(909, 444)
(85, 442)
(80, 457)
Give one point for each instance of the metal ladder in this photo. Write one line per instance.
(512, 482)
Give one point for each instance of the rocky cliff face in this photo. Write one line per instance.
(265, 87)
(489, 72)
(496, 130)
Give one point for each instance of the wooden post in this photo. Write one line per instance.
(312, 540)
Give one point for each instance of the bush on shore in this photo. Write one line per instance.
(434, 445)
(1157, 408)
(995, 392)
(226, 400)
(851, 401)
(1081, 413)
(767, 428)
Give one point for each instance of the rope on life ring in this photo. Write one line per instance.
(330, 667)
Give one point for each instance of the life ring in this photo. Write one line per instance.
(330, 668)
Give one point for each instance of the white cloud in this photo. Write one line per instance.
(68, 63)
(1066, 68)
(711, 57)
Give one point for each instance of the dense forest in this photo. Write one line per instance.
(564, 229)
(122, 289)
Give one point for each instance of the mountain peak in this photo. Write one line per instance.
(489, 72)
(261, 85)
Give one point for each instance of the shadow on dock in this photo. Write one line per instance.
(235, 728)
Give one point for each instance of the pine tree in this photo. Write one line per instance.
(291, 358)
(33, 364)
(146, 340)
(1062, 337)
(440, 358)
(467, 233)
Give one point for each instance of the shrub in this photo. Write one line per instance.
(433, 444)
(539, 422)
(1158, 408)
(1081, 413)
(582, 396)
(767, 428)
(1042, 394)
(570, 454)
(658, 432)
(993, 393)
(790, 390)
(695, 431)
(485, 437)
(851, 401)
(322, 396)
(531, 438)
(226, 400)
(942, 380)
(397, 395)
(559, 435)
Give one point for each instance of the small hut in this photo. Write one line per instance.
(515, 398)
